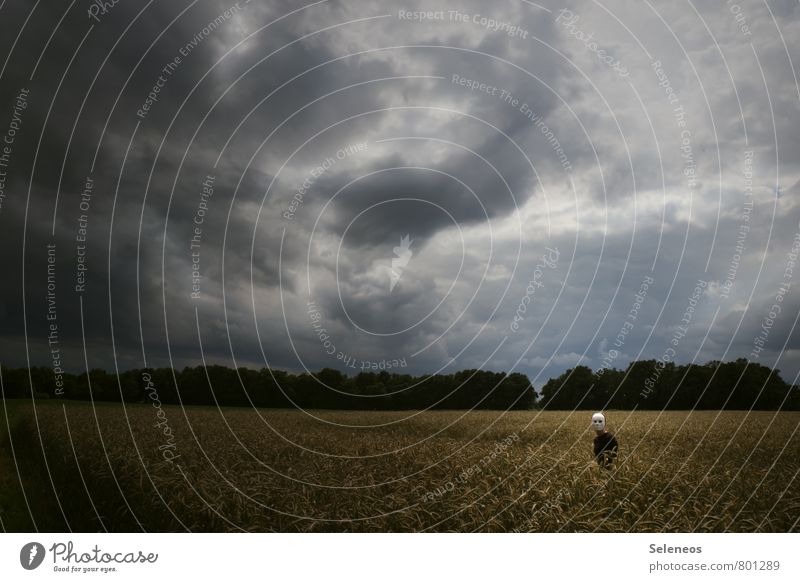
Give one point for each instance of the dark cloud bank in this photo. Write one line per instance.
(215, 180)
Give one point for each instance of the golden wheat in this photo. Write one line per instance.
(281, 470)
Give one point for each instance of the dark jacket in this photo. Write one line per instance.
(605, 449)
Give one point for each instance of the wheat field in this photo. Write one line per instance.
(204, 469)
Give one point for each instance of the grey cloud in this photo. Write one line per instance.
(150, 267)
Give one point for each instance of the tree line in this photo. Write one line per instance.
(328, 388)
(656, 385)
(648, 385)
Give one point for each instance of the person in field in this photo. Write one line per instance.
(605, 443)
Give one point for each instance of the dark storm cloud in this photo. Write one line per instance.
(264, 115)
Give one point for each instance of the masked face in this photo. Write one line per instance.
(598, 421)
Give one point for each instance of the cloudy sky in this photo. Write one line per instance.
(509, 185)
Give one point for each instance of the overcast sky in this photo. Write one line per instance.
(509, 185)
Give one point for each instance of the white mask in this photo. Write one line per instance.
(598, 421)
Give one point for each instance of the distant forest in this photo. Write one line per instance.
(654, 385)
(646, 385)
